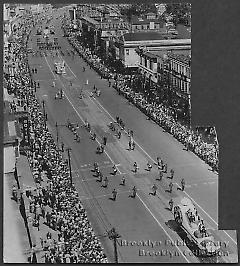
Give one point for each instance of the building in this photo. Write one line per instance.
(104, 29)
(88, 10)
(126, 45)
(173, 66)
(149, 22)
(179, 70)
(6, 24)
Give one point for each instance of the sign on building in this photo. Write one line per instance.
(25, 129)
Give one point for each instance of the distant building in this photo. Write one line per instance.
(161, 8)
(88, 10)
(149, 22)
(108, 28)
(126, 45)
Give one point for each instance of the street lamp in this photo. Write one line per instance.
(44, 113)
(113, 235)
(63, 125)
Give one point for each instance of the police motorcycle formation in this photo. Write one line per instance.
(188, 219)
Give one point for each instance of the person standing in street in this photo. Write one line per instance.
(165, 168)
(170, 187)
(105, 182)
(114, 169)
(160, 176)
(104, 140)
(62, 146)
(182, 184)
(170, 204)
(133, 145)
(134, 192)
(100, 177)
(154, 190)
(135, 167)
(123, 181)
(171, 173)
(114, 194)
(149, 166)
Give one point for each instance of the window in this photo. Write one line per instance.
(127, 51)
(151, 65)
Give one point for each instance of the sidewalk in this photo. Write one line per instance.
(14, 232)
(27, 180)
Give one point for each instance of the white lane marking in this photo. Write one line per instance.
(79, 114)
(162, 228)
(120, 172)
(177, 184)
(156, 162)
(42, 80)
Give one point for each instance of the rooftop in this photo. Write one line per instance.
(180, 57)
(143, 36)
(90, 20)
(11, 129)
(138, 20)
(160, 53)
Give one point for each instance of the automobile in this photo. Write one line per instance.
(173, 31)
(60, 67)
(188, 219)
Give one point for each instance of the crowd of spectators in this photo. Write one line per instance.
(164, 116)
(77, 242)
(159, 112)
(88, 56)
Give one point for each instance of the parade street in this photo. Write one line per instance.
(145, 223)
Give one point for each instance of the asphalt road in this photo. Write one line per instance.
(144, 218)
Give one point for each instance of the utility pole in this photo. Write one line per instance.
(69, 164)
(190, 111)
(44, 113)
(56, 125)
(113, 235)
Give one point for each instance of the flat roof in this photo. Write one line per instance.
(90, 20)
(180, 57)
(11, 129)
(145, 21)
(173, 51)
(143, 36)
(180, 54)
(150, 36)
